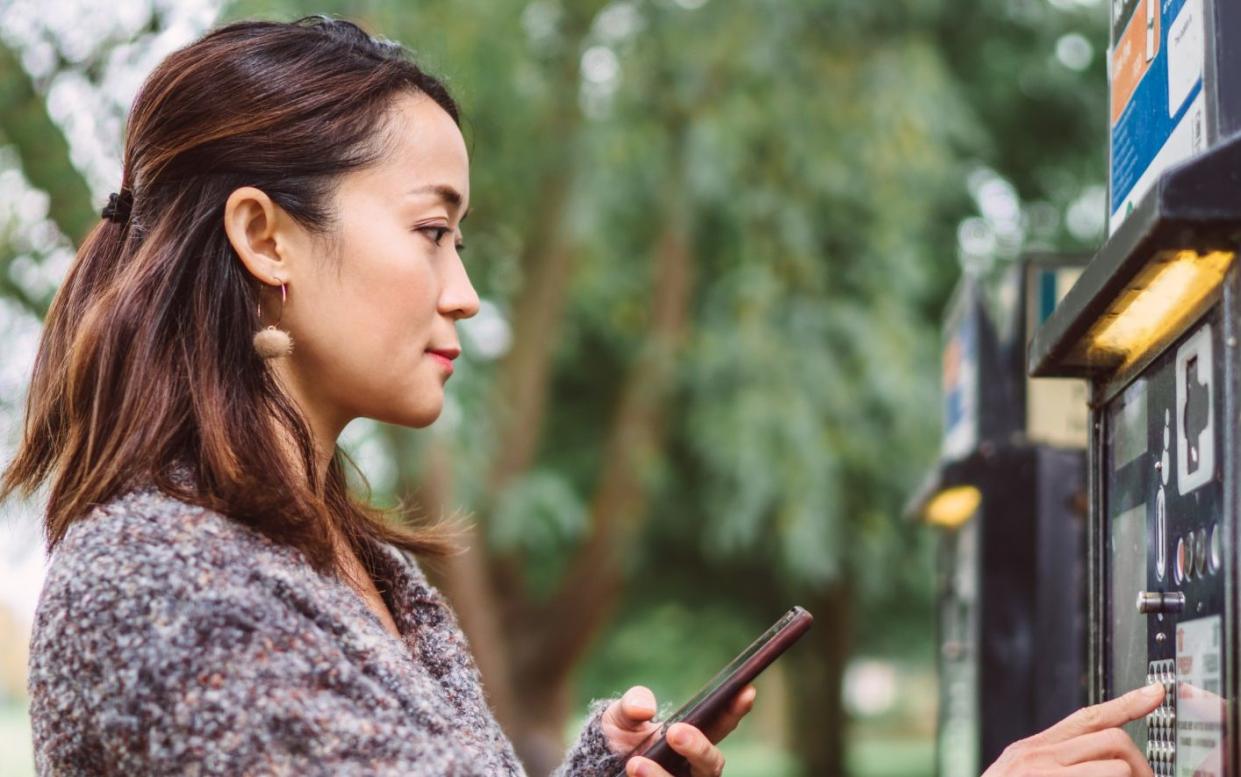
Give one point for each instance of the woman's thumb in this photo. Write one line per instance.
(636, 707)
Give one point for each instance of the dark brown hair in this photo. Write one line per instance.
(146, 361)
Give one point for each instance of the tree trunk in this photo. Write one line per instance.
(527, 650)
(546, 709)
(818, 715)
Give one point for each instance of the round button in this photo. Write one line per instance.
(1178, 564)
(1200, 551)
(1216, 546)
(1190, 555)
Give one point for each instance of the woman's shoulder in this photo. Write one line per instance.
(147, 531)
(146, 551)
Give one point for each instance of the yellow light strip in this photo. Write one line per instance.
(953, 506)
(1165, 296)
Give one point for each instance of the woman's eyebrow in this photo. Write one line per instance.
(445, 192)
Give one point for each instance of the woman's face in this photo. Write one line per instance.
(372, 308)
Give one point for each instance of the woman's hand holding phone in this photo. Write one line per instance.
(630, 720)
(1088, 743)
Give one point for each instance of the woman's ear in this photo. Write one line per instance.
(252, 222)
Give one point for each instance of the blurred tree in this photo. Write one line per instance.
(44, 155)
(719, 236)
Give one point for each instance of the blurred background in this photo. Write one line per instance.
(714, 239)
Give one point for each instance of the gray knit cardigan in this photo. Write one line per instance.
(172, 640)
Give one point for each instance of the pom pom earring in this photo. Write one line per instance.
(271, 342)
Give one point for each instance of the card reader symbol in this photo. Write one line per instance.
(1195, 416)
(1196, 413)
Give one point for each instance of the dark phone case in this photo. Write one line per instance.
(715, 695)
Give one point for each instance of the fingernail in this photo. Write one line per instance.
(678, 737)
(641, 770)
(1153, 690)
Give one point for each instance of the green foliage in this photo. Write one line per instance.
(817, 159)
(541, 515)
(675, 647)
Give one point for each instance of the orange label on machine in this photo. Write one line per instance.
(1135, 51)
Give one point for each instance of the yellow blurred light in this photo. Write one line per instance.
(953, 506)
(1169, 292)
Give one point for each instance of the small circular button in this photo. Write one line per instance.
(1216, 543)
(1190, 559)
(1178, 564)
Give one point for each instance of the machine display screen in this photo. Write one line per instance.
(1128, 543)
(1129, 661)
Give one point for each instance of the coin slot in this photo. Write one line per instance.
(1190, 559)
(1200, 551)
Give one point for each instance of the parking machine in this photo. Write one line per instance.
(1007, 501)
(1152, 326)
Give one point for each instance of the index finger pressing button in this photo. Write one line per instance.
(1110, 714)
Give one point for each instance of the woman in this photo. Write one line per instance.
(282, 257)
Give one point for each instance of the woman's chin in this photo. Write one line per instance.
(416, 417)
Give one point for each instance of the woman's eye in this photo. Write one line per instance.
(436, 236)
(436, 233)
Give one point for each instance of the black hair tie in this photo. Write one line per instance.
(118, 206)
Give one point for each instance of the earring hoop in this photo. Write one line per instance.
(271, 342)
(258, 308)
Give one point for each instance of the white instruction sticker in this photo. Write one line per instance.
(1200, 708)
(1186, 54)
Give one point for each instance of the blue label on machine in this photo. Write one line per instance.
(960, 385)
(1157, 104)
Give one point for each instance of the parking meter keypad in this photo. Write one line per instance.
(1161, 724)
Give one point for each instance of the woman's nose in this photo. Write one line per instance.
(458, 299)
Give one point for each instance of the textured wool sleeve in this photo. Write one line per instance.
(590, 755)
(171, 640)
(178, 667)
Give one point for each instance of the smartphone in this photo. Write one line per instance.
(716, 694)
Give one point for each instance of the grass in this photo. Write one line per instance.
(888, 756)
(869, 756)
(15, 743)
(756, 759)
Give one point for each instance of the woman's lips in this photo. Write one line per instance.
(444, 358)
